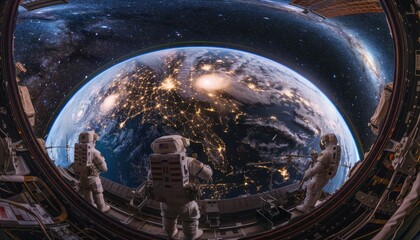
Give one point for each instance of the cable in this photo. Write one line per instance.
(5, 134)
(396, 231)
(51, 233)
(338, 235)
(401, 224)
(6, 156)
(85, 230)
(7, 191)
(409, 203)
(367, 234)
(11, 235)
(41, 224)
(370, 216)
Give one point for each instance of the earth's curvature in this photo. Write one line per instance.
(237, 108)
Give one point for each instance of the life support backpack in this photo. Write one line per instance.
(334, 161)
(83, 164)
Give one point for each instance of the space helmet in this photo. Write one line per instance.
(328, 139)
(88, 137)
(170, 144)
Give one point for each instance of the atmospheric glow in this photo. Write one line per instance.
(212, 82)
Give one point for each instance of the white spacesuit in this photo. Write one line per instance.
(324, 169)
(171, 174)
(88, 162)
(381, 110)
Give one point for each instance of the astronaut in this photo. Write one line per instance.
(171, 180)
(381, 110)
(88, 163)
(325, 168)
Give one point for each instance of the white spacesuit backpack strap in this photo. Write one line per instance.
(334, 161)
(169, 168)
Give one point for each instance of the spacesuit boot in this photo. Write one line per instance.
(191, 230)
(198, 234)
(169, 226)
(88, 196)
(99, 200)
(309, 202)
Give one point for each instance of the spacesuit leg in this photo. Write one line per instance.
(98, 194)
(313, 192)
(189, 216)
(88, 196)
(169, 219)
(86, 191)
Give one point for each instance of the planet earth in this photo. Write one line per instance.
(244, 114)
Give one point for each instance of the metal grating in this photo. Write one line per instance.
(35, 4)
(336, 8)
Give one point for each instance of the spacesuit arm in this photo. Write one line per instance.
(206, 173)
(200, 170)
(99, 161)
(320, 166)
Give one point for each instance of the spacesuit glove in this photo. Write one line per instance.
(308, 174)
